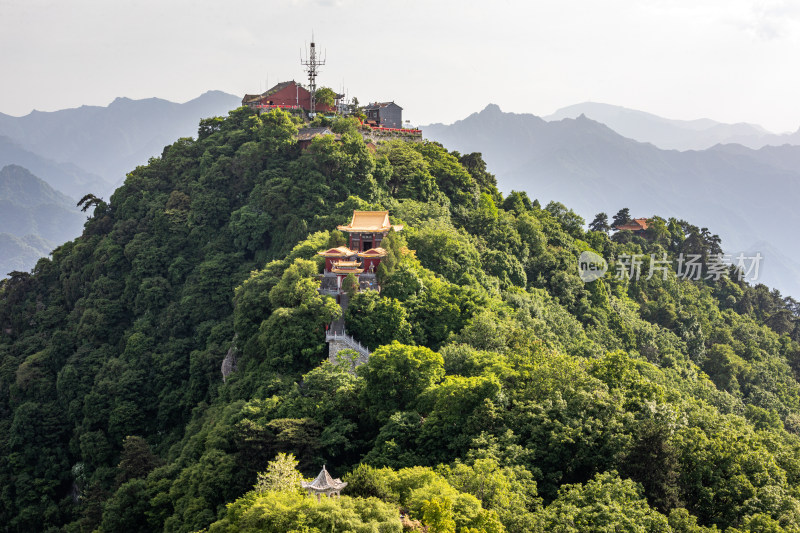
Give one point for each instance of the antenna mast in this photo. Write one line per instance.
(312, 63)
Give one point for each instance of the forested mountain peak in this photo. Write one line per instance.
(502, 393)
(19, 185)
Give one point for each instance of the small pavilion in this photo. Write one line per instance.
(324, 484)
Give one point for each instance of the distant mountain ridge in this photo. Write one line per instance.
(19, 184)
(748, 196)
(64, 177)
(34, 219)
(109, 141)
(669, 134)
(21, 254)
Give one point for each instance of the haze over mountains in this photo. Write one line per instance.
(674, 134)
(67, 178)
(57, 157)
(92, 148)
(34, 218)
(747, 196)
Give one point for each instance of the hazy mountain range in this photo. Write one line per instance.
(92, 148)
(65, 177)
(674, 134)
(34, 218)
(89, 149)
(747, 196)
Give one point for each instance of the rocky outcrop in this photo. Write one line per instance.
(229, 363)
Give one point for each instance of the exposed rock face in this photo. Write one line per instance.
(229, 363)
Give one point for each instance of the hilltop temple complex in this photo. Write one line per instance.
(289, 95)
(361, 258)
(377, 119)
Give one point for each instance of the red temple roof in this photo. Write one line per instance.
(637, 224)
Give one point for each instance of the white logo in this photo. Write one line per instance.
(591, 266)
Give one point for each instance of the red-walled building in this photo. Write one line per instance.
(371, 259)
(337, 255)
(363, 255)
(288, 94)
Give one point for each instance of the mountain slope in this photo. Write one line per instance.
(747, 194)
(20, 186)
(111, 140)
(503, 393)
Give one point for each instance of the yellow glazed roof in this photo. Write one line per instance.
(373, 252)
(337, 270)
(341, 251)
(370, 222)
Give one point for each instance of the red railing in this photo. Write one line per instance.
(278, 106)
(401, 130)
(373, 125)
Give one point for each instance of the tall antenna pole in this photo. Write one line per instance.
(312, 65)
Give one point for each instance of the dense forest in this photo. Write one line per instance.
(503, 393)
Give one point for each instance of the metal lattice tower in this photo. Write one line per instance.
(312, 65)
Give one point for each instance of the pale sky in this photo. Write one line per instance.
(729, 60)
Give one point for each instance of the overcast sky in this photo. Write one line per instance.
(730, 60)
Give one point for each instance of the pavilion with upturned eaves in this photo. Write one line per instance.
(367, 229)
(363, 255)
(324, 484)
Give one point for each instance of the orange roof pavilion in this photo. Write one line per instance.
(347, 267)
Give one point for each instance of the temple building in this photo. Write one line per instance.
(305, 136)
(363, 254)
(638, 226)
(336, 255)
(371, 259)
(367, 229)
(324, 484)
(361, 258)
(287, 95)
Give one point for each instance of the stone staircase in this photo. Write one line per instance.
(342, 341)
